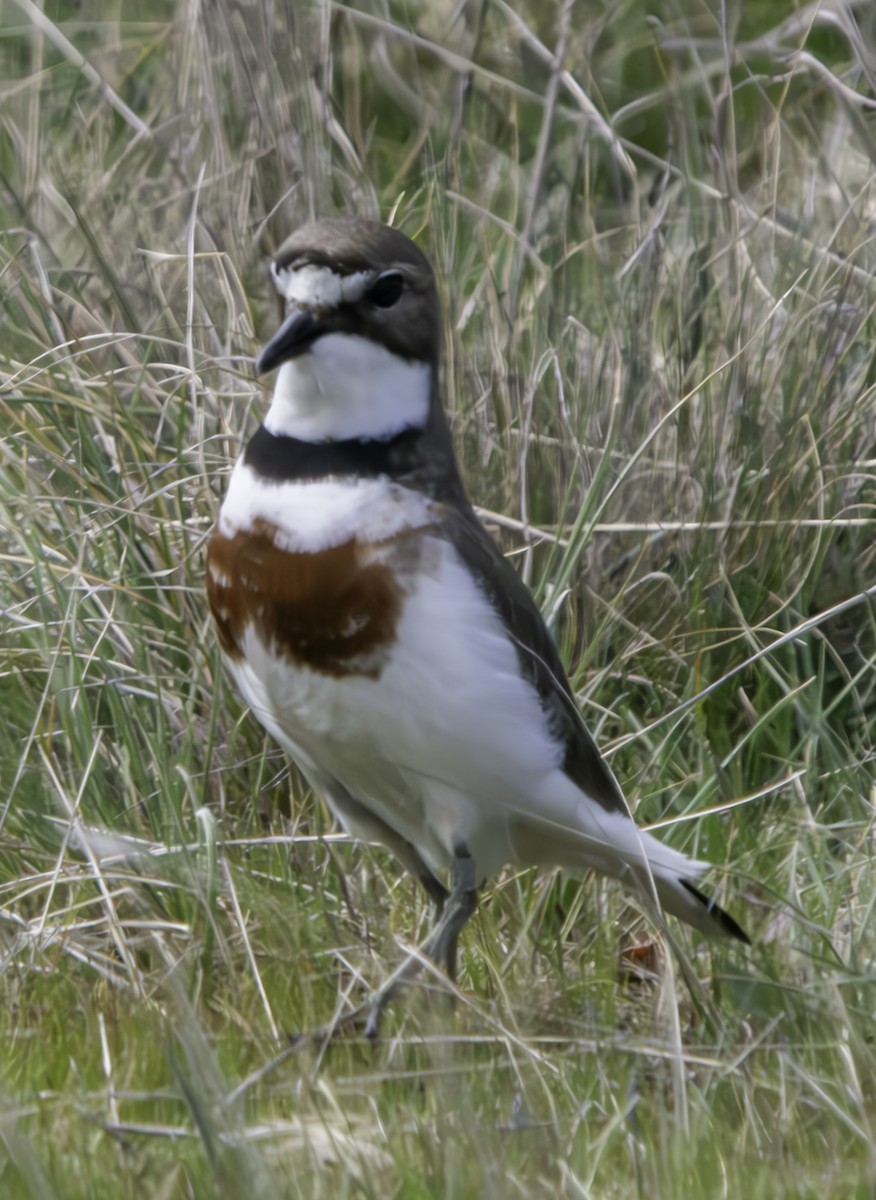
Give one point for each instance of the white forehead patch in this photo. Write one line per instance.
(319, 287)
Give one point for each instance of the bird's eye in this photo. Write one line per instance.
(386, 289)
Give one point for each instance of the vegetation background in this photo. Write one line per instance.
(653, 223)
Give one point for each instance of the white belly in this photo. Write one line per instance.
(444, 746)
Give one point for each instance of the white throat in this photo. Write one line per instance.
(347, 386)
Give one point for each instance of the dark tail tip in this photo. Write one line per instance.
(724, 920)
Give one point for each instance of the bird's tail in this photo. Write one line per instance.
(613, 844)
(679, 895)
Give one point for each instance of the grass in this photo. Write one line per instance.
(653, 231)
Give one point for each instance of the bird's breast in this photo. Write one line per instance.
(317, 587)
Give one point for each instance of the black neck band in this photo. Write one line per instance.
(280, 458)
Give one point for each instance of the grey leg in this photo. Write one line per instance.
(440, 946)
(435, 890)
(460, 908)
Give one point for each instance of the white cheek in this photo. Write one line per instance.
(349, 387)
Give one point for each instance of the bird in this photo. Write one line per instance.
(374, 627)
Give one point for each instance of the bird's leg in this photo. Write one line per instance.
(441, 944)
(435, 890)
(460, 907)
(453, 913)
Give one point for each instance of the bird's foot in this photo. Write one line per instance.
(366, 1017)
(438, 951)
